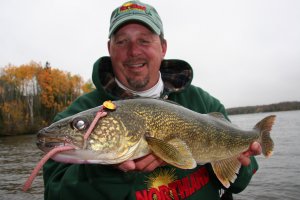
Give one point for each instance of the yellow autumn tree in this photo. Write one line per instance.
(30, 96)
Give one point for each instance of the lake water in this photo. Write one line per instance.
(277, 178)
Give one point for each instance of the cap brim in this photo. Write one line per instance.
(141, 19)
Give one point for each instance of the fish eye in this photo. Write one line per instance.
(80, 124)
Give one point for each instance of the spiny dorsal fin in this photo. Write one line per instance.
(226, 170)
(218, 115)
(174, 152)
(171, 102)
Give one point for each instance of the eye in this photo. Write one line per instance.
(121, 42)
(80, 124)
(144, 42)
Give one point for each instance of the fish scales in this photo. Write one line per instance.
(177, 135)
(206, 140)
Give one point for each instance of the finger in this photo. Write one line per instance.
(126, 166)
(244, 160)
(145, 161)
(153, 165)
(149, 163)
(255, 148)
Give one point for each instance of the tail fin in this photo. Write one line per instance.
(264, 127)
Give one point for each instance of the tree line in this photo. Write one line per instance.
(32, 94)
(282, 106)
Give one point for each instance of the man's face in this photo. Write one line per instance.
(136, 54)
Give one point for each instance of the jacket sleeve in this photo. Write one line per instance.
(200, 101)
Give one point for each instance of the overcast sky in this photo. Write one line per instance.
(244, 52)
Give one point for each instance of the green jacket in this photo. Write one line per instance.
(96, 182)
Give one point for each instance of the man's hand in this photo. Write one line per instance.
(146, 164)
(254, 150)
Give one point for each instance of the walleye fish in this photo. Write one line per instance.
(137, 127)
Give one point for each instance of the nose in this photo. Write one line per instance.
(41, 132)
(134, 49)
(40, 138)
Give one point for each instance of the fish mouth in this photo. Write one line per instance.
(46, 143)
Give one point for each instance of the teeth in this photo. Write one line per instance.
(135, 65)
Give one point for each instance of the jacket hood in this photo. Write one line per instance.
(176, 75)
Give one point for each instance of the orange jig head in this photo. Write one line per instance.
(109, 105)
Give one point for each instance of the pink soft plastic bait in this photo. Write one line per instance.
(56, 150)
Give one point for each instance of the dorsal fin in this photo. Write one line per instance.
(170, 101)
(218, 115)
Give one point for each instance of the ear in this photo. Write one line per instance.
(108, 46)
(164, 47)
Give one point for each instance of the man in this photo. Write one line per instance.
(137, 68)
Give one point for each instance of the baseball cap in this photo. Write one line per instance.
(135, 11)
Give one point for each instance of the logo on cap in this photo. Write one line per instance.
(131, 6)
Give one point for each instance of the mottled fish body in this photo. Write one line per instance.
(137, 127)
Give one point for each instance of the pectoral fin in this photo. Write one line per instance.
(226, 170)
(174, 152)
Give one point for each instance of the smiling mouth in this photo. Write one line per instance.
(139, 65)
